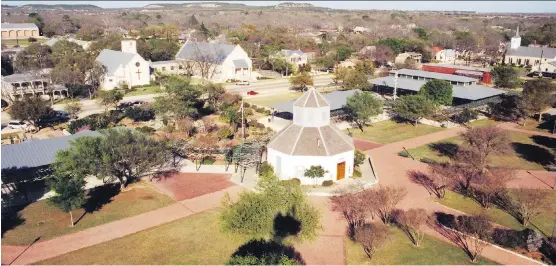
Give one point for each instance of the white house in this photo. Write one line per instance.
(84, 44)
(359, 30)
(167, 67)
(295, 56)
(532, 56)
(443, 55)
(216, 62)
(125, 67)
(311, 140)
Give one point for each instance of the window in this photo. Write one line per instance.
(180, 67)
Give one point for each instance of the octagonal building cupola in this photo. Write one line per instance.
(311, 110)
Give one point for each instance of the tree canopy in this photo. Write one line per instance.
(438, 91)
(30, 109)
(413, 107)
(301, 81)
(180, 99)
(536, 95)
(361, 106)
(505, 77)
(356, 80)
(70, 193)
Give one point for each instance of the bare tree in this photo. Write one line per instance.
(412, 222)
(491, 184)
(186, 126)
(187, 67)
(481, 143)
(384, 200)
(350, 204)
(529, 203)
(473, 231)
(207, 59)
(371, 237)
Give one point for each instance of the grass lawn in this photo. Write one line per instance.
(196, 239)
(22, 42)
(388, 131)
(483, 123)
(530, 152)
(400, 250)
(270, 100)
(144, 91)
(543, 222)
(42, 219)
(534, 125)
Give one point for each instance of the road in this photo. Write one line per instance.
(262, 87)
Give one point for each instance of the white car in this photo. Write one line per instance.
(242, 83)
(14, 124)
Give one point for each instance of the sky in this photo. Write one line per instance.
(480, 6)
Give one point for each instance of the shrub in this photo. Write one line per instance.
(138, 114)
(260, 125)
(252, 122)
(208, 161)
(93, 122)
(403, 154)
(427, 160)
(146, 130)
(357, 174)
(509, 238)
(31, 39)
(267, 112)
(248, 112)
(246, 105)
(265, 168)
(327, 183)
(224, 133)
(295, 181)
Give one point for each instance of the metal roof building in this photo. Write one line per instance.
(19, 26)
(112, 60)
(336, 99)
(468, 92)
(197, 51)
(417, 74)
(527, 51)
(37, 153)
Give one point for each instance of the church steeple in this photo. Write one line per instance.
(311, 110)
(516, 40)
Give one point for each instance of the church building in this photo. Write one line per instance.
(311, 140)
(125, 67)
(533, 56)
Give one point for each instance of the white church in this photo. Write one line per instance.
(124, 67)
(311, 140)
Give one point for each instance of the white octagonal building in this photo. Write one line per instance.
(311, 140)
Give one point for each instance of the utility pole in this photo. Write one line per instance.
(396, 85)
(242, 123)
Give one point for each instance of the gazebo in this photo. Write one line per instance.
(311, 140)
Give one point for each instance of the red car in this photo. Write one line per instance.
(252, 93)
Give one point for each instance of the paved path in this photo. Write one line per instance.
(106, 232)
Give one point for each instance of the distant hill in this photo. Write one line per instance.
(293, 5)
(61, 7)
(195, 5)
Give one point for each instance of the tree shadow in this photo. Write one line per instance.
(274, 249)
(11, 216)
(545, 141)
(533, 153)
(98, 197)
(424, 180)
(445, 225)
(445, 148)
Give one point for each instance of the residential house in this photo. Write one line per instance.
(168, 67)
(294, 56)
(31, 83)
(84, 44)
(124, 67)
(408, 57)
(19, 30)
(360, 30)
(532, 56)
(216, 62)
(443, 55)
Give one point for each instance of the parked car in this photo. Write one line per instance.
(16, 124)
(55, 117)
(242, 82)
(252, 93)
(130, 104)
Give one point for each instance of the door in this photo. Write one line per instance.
(341, 171)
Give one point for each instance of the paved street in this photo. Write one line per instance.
(262, 87)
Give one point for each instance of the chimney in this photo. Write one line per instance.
(129, 46)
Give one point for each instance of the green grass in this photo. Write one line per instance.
(534, 125)
(400, 250)
(196, 239)
(144, 91)
(483, 123)
(388, 131)
(47, 221)
(270, 100)
(543, 222)
(527, 154)
(22, 42)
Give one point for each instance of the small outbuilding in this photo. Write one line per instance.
(311, 140)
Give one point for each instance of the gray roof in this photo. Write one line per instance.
(533, 52)
(553, 63)
(468, 92)
(311, 141)
(433, 75)
(24, 77)
(166, 62)
(37, 153)
(241, 63)
(113, 59)
(469, 72)
(291, 52)
(472, 68)
(336, 100)
(311, 99)
(16, 26)
(197, 50)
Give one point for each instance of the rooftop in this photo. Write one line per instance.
(112, 60)
(165, 62)
(533, 52)
(25, 77)
(197, 51)
(468, 92)
(336, 100)
(472, 68)
(37, 153)
(15, 26)
(433, 75)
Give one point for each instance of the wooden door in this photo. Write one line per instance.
(341, 171)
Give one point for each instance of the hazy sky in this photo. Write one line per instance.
(480, 6)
